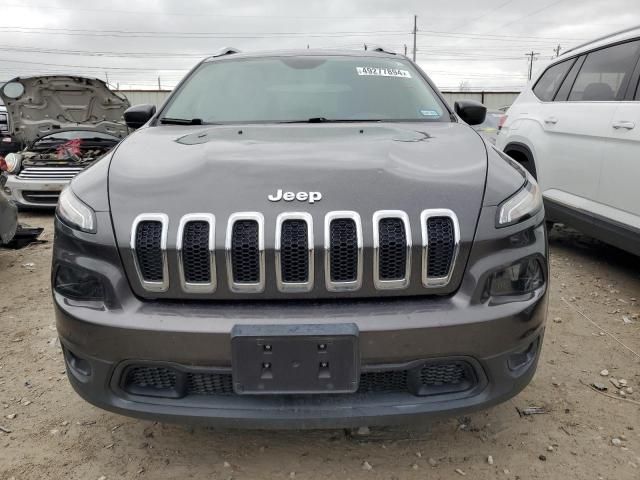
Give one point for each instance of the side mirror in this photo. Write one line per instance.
(471, 111)
(138, 115)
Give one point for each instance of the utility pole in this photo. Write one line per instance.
(557, 50)
(159, 86)
(415, 31)
(531, 56)
(106, 74)
(405, 49)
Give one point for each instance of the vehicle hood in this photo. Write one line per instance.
(176, 170)
(40, 105)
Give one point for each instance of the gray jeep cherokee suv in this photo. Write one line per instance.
(301, 239)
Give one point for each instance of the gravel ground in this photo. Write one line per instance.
(49, 432)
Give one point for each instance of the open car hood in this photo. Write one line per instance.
(41, 105)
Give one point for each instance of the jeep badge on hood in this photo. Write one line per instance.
(311, 197)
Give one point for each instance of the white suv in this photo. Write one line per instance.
(577, 129)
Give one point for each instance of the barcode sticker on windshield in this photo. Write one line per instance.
(382, 72)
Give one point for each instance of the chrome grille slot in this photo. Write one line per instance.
(196, 257)
(392, 249)
(49, 173)
(245, 252)
(294, 252)
(149, 248)
(440, 240)
(343, 251)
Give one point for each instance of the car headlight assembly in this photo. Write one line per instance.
(76, 214)
(525, 203)
(13, 162)
(522, 277)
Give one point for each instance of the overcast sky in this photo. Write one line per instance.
(482, 43)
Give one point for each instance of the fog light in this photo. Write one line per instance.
(78, 284)
(519, 359)
(522, 277)
(80, 367)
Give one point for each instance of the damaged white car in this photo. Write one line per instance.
(65, 124)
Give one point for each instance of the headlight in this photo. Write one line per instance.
(524, 204)
(13, 161)
(522, 277)
(72, 211)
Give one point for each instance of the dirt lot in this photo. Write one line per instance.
(49, 432)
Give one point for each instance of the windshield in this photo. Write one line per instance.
(292, 89)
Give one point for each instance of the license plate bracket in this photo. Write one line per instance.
(295, 359)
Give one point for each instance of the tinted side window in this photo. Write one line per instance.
(605, 74)
(550, 80)
(565, 89)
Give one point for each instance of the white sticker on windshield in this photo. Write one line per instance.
(382, 72)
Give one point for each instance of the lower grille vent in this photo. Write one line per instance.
(209, 384)
(432, 378)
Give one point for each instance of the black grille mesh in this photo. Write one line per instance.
(344, 250)
(196, 258)
(245, 252)
(376, 382)
(392, 250)
(443, 374)
(156, 378)
(441, 246)
(148, 250)
(431, 378)
(209, 384)
(294, 251)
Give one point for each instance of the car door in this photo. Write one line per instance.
(580, 124)
(618, 192)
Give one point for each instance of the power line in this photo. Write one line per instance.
(189, 35)
(184, 14)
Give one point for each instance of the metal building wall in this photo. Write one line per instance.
(492, 100)
(152, 97)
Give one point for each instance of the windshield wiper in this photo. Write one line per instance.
(181, 121)
(334, 120)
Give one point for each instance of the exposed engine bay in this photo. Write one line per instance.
(77, 152)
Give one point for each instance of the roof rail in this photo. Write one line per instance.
(604, 37)
(225, 51)
(377, 48)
